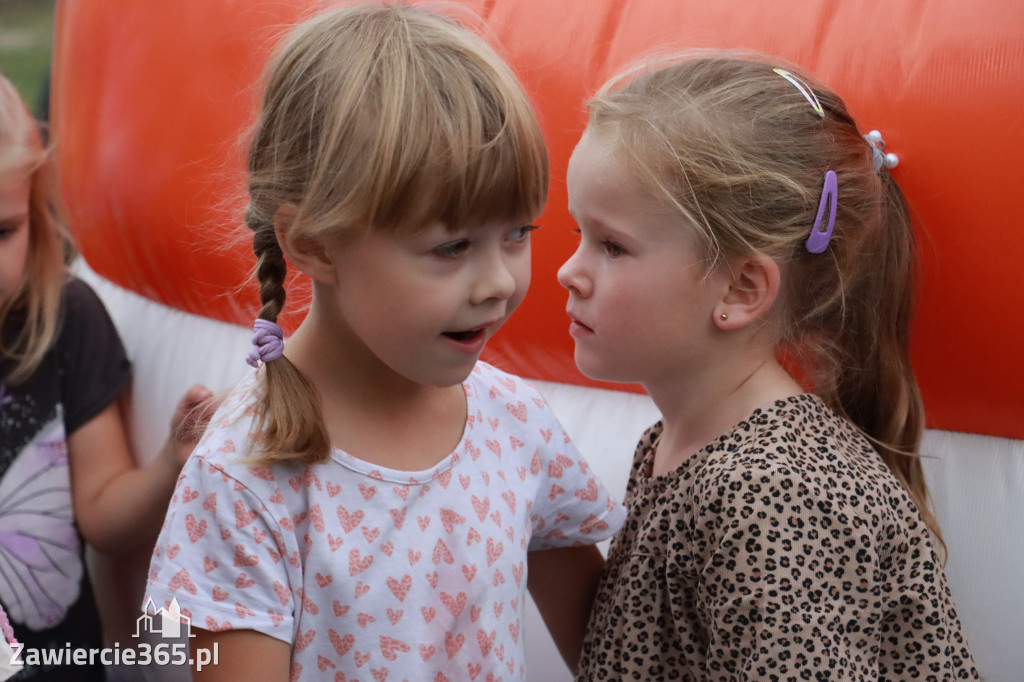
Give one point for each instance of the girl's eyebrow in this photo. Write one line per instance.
(13, 220)
(595, 223)
(582, 214)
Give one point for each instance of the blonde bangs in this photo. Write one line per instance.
(474, 151)
(481, 170)
(428, 126)
(476, 174)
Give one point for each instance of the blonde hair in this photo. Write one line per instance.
(740, 153)
(379, 117)
(35, 305)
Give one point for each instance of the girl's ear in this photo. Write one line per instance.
(751, 292)
(303, 252)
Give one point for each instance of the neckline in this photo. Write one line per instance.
(423, 476)
(767, 409)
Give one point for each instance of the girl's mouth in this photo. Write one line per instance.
(470, 341)
(466, 336)
(578, 329)
(473, 340)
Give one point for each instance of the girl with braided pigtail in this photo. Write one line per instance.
(732, 216)
(367, 502)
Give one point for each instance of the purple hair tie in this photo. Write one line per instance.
(267, 343)
(817, 242)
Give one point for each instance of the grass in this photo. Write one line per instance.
(26, 40)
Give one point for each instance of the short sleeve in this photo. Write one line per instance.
(91, 359)
(573, 507)
(223, 556)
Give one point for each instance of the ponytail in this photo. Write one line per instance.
(289, 422)
(871, 380)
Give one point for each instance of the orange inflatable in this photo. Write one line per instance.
(151, 98)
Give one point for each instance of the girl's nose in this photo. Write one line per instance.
(496, 280)
(571, 276)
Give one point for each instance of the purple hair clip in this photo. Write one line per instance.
(817, 242)
(267, 343)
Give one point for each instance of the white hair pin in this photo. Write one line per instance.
(879, 157)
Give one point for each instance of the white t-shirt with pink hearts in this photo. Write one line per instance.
(371, 573)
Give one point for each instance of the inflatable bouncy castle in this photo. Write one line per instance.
(151, 101)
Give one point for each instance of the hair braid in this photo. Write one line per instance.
(288, 414)
(271, 267)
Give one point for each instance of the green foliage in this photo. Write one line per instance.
(26, 39)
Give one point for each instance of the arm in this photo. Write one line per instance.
(563, 583)
(117, 505)
(241, 655)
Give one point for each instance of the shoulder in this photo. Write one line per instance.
(78, 293)
(85, 320)
(800, 455)
(800, 435)
(485, 374)
(504, 392)
(231, 433)
(80, 304)
(233, 439)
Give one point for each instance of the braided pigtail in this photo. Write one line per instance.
(288, 415)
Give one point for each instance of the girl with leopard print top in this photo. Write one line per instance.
(737, 231)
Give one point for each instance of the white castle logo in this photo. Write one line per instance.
(164, 622)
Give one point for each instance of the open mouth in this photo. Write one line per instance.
(466, 336)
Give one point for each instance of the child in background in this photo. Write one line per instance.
(366, 504)
(731, 212)
(66, 471)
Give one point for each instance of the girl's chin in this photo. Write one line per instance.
(594, 368)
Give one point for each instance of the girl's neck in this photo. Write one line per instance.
(370, 411)
(698, 409)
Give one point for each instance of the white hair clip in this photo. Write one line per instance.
(879, 157)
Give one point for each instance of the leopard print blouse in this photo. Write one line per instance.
(785, 550)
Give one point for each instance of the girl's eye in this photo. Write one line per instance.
(521, 233)
(451, 250)
(8, 228)
(611, 249)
